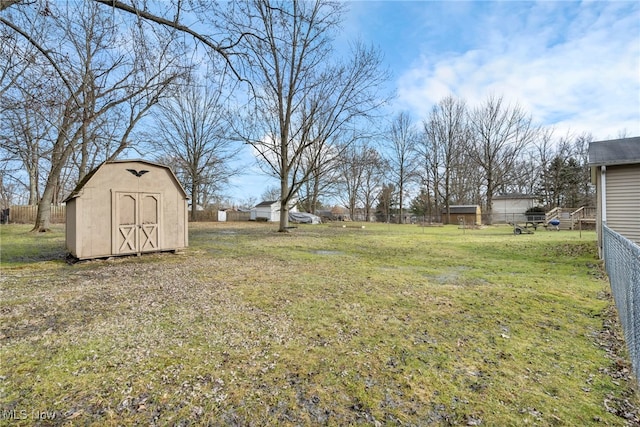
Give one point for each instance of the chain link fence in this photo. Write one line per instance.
(622, 262)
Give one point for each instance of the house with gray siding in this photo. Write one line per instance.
(615, 171)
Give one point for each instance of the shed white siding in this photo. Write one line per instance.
(623, 200)
(511, 209)
(270, 211)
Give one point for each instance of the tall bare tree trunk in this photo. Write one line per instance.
(284, 206)
(194, 200)
(307, 100)
(43, 215)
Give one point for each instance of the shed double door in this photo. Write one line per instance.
(136, 222)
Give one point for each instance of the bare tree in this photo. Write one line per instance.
(586, 190)
(110, 71)
(220, 49)
(373, 169)
(299, 44)
(23, 134)
(564, 173)
(302, 100)
(359, 177)
(270, 194)
(247, 203)
(31, 28)
(4, 4)
(401, 159)
(441, 149)
(192, 130)
(320, 180)
(544, 149)
(327, 164)
(27, 103)
(523, 177)
(499, 134)
(89, 100)
(9, 184)
(15, 59)
(350, 174)
(340, 115)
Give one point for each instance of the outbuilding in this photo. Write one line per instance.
(269, 210)
(467, 214)
(126, 207)
(511, 207)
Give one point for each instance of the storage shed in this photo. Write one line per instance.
(470, 214)
(511, 207)
(269, 210)
(615, 170)
(126, 207)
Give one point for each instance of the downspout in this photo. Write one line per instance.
(603, 193)
(603, 209)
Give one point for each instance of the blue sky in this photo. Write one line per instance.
(574, 66)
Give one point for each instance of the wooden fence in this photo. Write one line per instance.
(27, 214)
(212, 215)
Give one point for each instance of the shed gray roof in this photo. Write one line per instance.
(266, 203)
(462, 209)
(514, 196)
(615, 152)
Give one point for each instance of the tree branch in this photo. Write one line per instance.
(45, 53)
(5, 4)
(222, 50)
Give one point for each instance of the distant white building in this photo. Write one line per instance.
(511, 207)
(270, 211)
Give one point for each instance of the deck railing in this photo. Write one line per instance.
(552, 214)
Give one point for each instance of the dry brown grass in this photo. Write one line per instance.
(383, 325)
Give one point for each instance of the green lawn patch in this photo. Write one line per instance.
(382, 325)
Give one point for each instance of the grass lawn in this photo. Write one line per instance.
(383, 325)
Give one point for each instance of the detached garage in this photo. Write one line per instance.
(126, 207)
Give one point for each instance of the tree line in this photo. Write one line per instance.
(462, 155)
(190, 83)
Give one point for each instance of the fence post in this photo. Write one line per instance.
(622, 263)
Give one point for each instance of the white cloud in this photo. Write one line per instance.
(574, 68)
